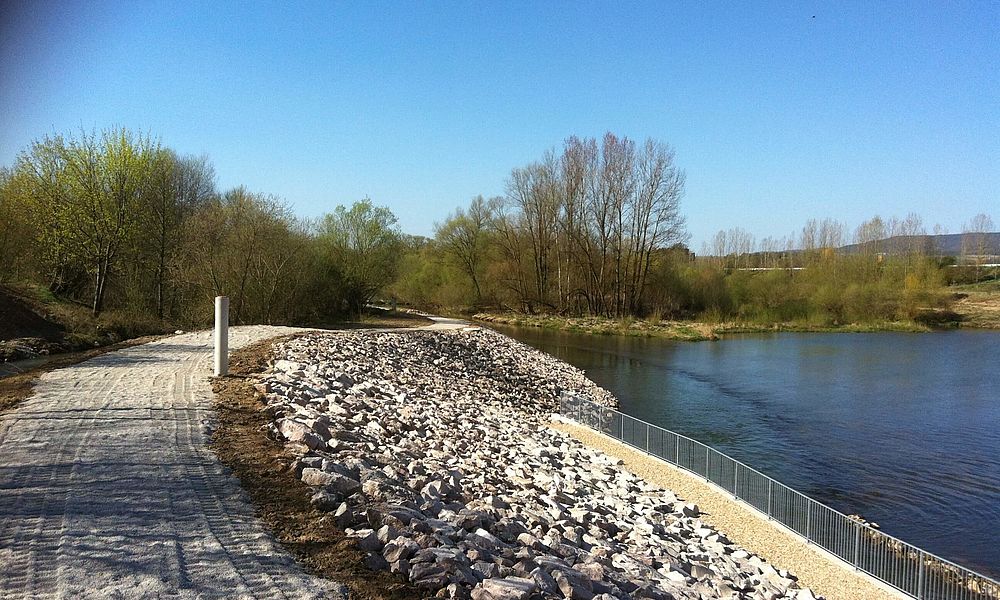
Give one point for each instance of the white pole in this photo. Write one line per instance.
(221, 335)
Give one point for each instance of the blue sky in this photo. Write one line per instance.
(778, 112)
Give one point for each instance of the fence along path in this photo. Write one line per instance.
(915, 572)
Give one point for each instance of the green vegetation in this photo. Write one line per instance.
(589, 238)
(677, 330)
(141, 236)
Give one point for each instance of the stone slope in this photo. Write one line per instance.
(431, 449)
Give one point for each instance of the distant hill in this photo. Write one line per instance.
(949, 244)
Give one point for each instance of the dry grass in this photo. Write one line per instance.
(675, 330)
(980, 307)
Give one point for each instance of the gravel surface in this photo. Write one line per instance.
(816, 569)
(432, 449)
(108, 490)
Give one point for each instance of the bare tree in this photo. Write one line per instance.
(534, 190)
(177, 186)
(464, 237)
(975, 240)
(870, 234)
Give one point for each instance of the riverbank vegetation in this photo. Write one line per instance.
(141, 235)
(591, 235)
(592, 238)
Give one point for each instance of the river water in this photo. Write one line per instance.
(901, 428)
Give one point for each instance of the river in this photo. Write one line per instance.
(901, 428)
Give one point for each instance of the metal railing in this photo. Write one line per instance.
(913, 571)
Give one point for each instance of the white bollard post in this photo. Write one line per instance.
(221, 335)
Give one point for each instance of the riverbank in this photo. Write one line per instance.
(979, 305)
(432, 451)
(688, 331)
(677, 330)
(745, 526)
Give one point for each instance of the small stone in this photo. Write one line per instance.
(325, 501)
(510, 588)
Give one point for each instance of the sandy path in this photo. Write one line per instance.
(108, 488)
(815, 568)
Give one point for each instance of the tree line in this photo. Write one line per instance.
(595, 228)
(120, 222)
(577, 232)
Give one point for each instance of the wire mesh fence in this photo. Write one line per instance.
(903, 566)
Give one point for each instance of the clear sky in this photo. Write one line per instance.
(778, 112)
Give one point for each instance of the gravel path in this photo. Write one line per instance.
(108, 488)
(816, 569)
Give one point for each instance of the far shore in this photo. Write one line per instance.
(976, 307)
(690, 331)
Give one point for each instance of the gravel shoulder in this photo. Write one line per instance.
(745, 526)
(108, 488)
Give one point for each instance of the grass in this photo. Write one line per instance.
(82, 329)
(978, 304)
(992, 286)
(677, 330)
(688, 330)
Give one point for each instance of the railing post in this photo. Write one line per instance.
(857, 546)
(622, 436)
(920, 574)
(770, 485)
(221, 335)
(647, 438)
(736, 472)
(677, 449)
(808, 519)
(706, 464)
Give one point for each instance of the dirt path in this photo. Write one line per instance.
(109, 490)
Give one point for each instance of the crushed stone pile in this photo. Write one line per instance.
(431, 449)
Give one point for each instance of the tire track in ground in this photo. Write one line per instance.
(36, 501)
(108, 488)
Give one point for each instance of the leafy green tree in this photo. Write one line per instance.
(364, 243)
(87, 192)
(464, 237)
(17, 231)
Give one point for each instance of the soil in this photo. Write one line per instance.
(280, 498)
(18, 320)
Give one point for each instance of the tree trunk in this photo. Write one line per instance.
(102, 277)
